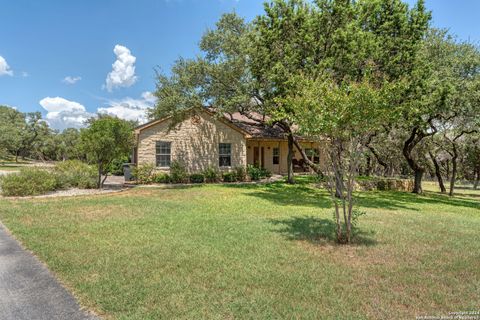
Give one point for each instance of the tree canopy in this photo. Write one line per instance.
(105, 139)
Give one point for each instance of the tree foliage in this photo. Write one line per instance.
(105, 139)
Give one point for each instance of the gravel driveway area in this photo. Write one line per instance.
(27, 288)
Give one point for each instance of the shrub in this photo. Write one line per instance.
(264, 173)
(240, 173)
(161, 178)
(229, 177)
(385, 184)
(211, 174)
(28, 182)
(254, 172)
(116, 166)
(144, 173)
(197, 178)
(75, 173)
(178, 172)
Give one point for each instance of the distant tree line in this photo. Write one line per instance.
(27, 135)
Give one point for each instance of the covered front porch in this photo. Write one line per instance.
(271, 154)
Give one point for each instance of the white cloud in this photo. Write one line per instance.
(123, 69)
(71, 80)
(129, 108)
(63, 113)
(5, 68)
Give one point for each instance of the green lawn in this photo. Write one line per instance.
(262, 252)
(11, 165)
(10, 168)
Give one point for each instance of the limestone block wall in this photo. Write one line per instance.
(195, 142)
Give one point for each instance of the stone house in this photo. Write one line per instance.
(205, 139)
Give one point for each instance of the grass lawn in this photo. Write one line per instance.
(9, 167)
(256, 251)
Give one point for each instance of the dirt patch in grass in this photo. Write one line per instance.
(27, 220)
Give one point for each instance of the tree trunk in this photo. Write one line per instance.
(438, 173)
(417, 187)
(290, 178)
(454, 170)
(315, 167)
(292, 141)
(339, 184)
(447, 167)
(104, 178)
(379, 160)
(368, 169)
(16, 156)
(99, 180)
(477, 179)
(408, 146)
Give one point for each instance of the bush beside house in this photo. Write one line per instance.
(197, 178)
(146, 174)
(211, 174)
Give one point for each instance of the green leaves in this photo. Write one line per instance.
(335, 62)
(325, 108)
(107, 138)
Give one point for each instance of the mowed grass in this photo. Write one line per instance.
(256, 252)
(10, 167)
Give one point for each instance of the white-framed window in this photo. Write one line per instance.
(225, 154)
(163, 153)
(276, 155)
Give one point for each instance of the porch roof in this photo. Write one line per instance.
(255, 125)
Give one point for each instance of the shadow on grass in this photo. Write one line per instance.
(391, 199)
(305, 194)
(466, 195)
(318, 231)
(287, 195)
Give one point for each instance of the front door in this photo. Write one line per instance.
(259, 156)
(262, 157)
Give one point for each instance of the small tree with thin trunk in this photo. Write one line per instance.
(105, 139)
(345, 115)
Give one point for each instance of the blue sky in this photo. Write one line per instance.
(60, 53)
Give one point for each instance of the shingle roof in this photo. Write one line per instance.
(257, 129)
(253, 124)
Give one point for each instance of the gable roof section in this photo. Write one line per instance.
(225, 121)
(150, 124)
(248, 126)
(254, 126)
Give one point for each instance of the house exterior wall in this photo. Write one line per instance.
(268, 146)
(195, 142)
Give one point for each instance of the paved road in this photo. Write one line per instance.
(28, 290)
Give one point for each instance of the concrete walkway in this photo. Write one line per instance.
(28, 290)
